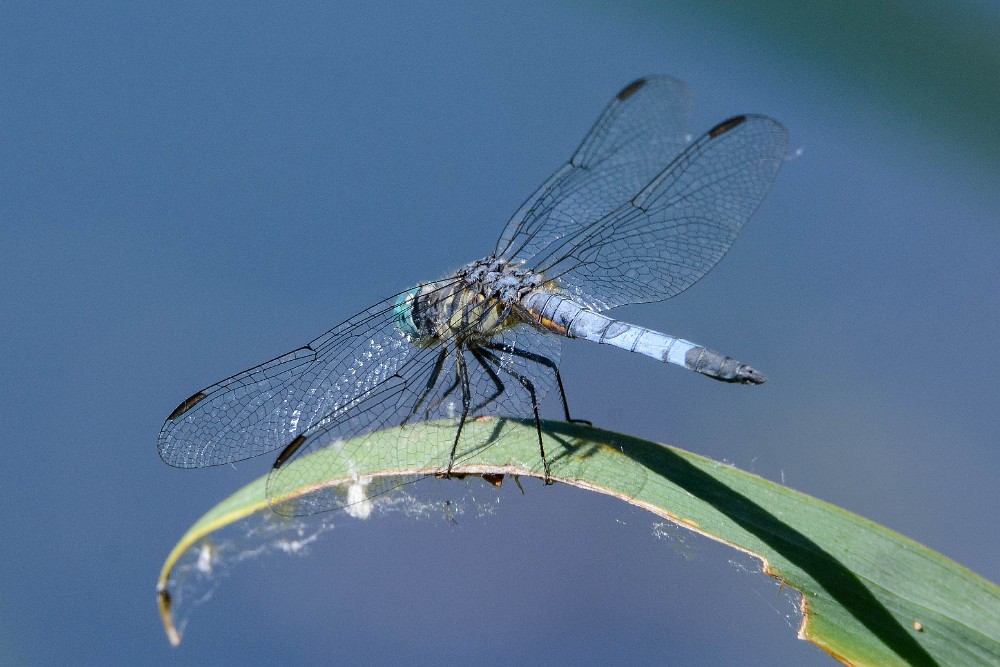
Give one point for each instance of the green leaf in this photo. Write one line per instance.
(870, 596)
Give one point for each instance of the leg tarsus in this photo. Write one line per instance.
(463, 373)
(530, 387)
(548, 363)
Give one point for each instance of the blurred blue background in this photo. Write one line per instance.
(188, 190)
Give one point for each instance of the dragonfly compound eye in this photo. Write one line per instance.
(403, 312)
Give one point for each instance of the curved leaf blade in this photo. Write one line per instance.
(870, 596)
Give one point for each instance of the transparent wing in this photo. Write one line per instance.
(673, 231)
(264, 408)
(423, 390)
(628, 220)
(362, 376)
(643, 128)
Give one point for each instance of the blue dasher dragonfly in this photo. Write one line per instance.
(638, 214)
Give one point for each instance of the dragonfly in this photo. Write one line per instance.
(638, 214)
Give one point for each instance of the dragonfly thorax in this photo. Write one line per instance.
(475, 304)
(494, 278)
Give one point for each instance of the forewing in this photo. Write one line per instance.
(429, 392)
(670, 234)
(266, 407)
(643, 128)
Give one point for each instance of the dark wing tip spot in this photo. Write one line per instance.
(726, 125)
(631, 89)
(289, 451)
(187, 404)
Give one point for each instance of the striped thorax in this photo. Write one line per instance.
(480, 301)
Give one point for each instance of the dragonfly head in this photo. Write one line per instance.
(403, 312)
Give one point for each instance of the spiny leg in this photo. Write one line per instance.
(463, 372)
(548, 363)
(447, 392)
(430, 383)
(497, 382)
(530, 387)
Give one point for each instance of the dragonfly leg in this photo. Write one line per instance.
(430, 384)
(548, 363)
(530, 387)
(497, 382)
(462, 371)
(449, 391)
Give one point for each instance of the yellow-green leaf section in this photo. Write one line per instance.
(870, 596)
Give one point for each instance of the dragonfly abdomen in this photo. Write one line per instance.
(560, 314)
